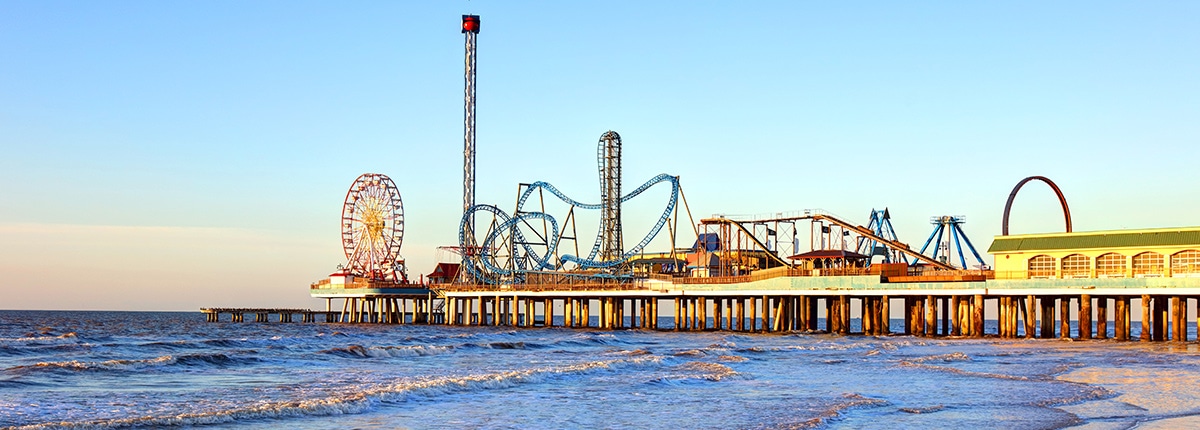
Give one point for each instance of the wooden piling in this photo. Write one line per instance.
(1102, 318)
(1145, 317)
(752, 314)
(1085, 316)
(1157, 326)
(865, 312)
(1120, 316)
(1176, 320)
(1046, 313)
(765, 314)
(1030, 308)
(885, 325)
(740, 310)
(1064, 312)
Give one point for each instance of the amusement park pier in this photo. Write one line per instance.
(531, 268)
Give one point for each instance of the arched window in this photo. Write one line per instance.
(1041, 266)
(1148, 265)
(1185, 263)
(1076, 266)
(1110, 265)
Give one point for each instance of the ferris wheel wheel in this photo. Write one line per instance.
(373, 228)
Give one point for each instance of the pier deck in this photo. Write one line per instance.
(953, 304)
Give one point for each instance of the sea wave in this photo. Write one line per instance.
(962, 372)
(709, 371)
(923, 409)
(590, 339)
(463, 335)
(953, 356)
(833, 409)
(691, 353)
(215, 360)
(696, 371)
(358, 400)
(39, 338)
(359, 351)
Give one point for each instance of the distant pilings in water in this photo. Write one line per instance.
(926, 314)
(380, 310)
(264, 314)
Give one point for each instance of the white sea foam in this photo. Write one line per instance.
(354, 401)
(124, 364)
(65, 337)
(953, 356)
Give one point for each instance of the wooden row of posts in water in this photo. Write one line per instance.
(355, 310)
(1163, 317)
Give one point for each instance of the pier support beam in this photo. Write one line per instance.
(1064, 311)
(885, 315)
(1030, 307)
(1177, 333)
(1046, 313)
(1102, 318)
(977, 317)
(1145, 317)
(1120, 318)
(1159, 332)
(1085, 316)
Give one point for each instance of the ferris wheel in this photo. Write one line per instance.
(373, 228)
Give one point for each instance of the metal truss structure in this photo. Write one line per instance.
(881, 225)
(949, 228)
(528, 240)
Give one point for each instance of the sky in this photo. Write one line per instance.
(175, 155)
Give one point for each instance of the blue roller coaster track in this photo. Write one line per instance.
(507, 234)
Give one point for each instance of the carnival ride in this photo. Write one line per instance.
(373, 229)
(881, 225)
(824, 223)
(514, 246)
(949, 227)
(1013, 195)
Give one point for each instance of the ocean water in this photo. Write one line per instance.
(132, 369)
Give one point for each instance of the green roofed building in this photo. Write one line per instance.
(1150, 253)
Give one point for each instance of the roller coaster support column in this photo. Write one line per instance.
(612, 246)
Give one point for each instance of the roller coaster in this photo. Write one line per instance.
(867, 234)
(513, 246)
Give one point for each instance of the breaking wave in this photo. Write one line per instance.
(357, 401)
(359, 351)
(215, 360)
(696, 371)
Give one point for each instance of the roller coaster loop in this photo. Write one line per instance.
(508, 235)
(1062, 200)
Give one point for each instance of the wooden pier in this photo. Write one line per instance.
(957, 314)
(1085, 314)
(1083, 285)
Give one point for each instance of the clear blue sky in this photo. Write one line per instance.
(171, 155)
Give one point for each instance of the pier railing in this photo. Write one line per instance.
(543, 284)
(361, 283)
(1091, 274)
(773, 273)
(540, 287)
